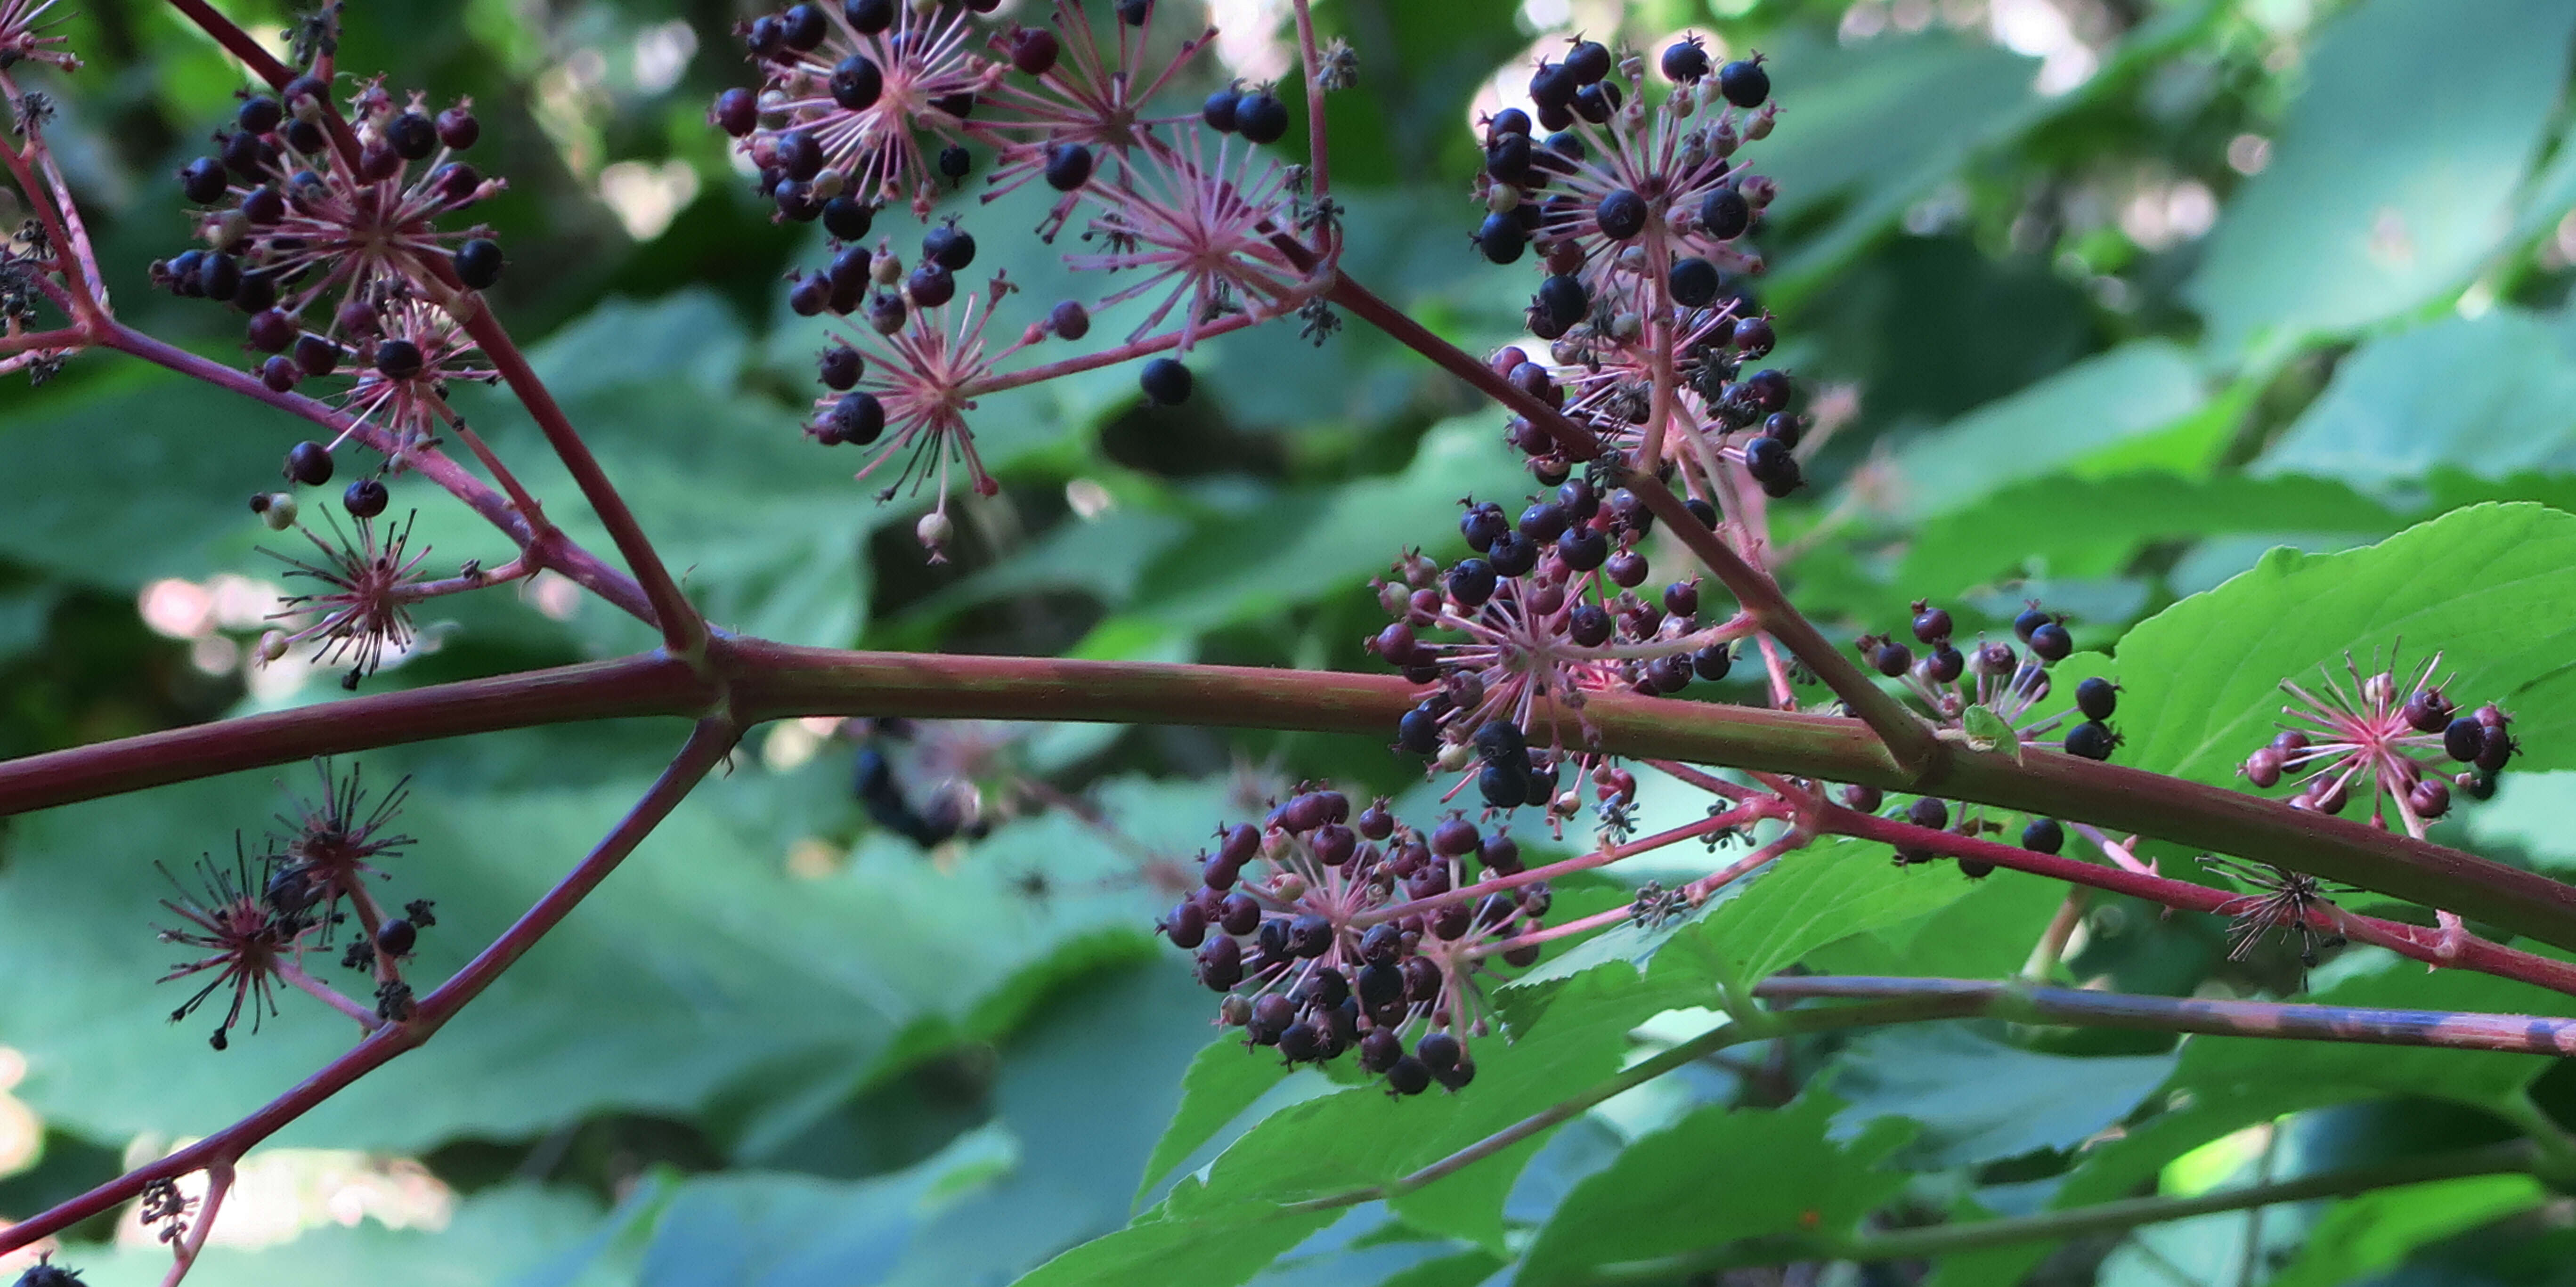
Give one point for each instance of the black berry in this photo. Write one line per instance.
(309, 463)
(202, 180)
(1685, 61)
(2097, 698)
(365, 498)
(1166, 382)
(1621, 214)
(478, 263)
(869, 16)
(1068, 166)
(2091, 739)
(1261, 118)
(1724, 214)
(1693, 281)
(2043, 835)
(1744, 82)
(856, 418)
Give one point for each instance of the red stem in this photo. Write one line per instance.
(2407, 940)
(706, 747)
(237, 41)
(684, 632)
(550, 546)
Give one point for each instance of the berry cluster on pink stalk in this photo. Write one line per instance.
(1550, 658)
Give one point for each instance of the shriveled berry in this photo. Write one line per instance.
(2043, 835)
(1260, 117)
(2097, 698)
(478, 263)
(2091, 739)
(365, 498)
(308, 463)
(1068, 166)
(1744, 83)
(1621, 214)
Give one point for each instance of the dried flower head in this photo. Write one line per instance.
(243, 933)
(365, 611)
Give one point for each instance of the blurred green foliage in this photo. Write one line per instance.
(2103, 300)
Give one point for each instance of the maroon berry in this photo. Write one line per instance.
(2263, 768)
(2051, 642)
(2430, 799)
(1310, 936)
(1380, 1050)
(280, 374)
(1034, 51)
(1408, 1076)
(2428, 711)
(271, 331)
(2092, 740)
(1185, 925)
(2464, 738)
(1220, 964)
(365, 498)
(1928, 812)
(309, 463)
(316, 356)
(1455, 837)
(1069, 320)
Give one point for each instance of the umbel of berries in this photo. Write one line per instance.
(2392, 731)
(1334, 934)
(1637, 214)
(2011, 684)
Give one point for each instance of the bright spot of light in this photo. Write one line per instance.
(662, 53)
(646, 197)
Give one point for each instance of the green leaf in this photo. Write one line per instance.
(2131, 391)
(2499, 404)
(791, 1230)
(2364, 1235)
(1979, 1100)
(1809, 898)
(2073, 529)
(1211, 1247)
(495, 1237)
(1989, 732)
(2377, 202)
(1718, 1176)
(2493, 586)
(700, 963)
(1223, 1080)
(1985, 933)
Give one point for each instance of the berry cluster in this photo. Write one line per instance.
(2006, 683)
(323, 230)
(1639, 218)
(869, 102)
(255, 919)
(1546, 611)
(1329, 933)
(2389, 734)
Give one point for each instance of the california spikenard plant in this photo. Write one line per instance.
(1440, 964)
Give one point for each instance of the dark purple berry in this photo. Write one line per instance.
(478, 263)
(1438, 1051)
(1744, 82)
(1408, 1076)
(1218, 110)
(1501, 239)
(1724, 214)
(955, 161)
(840, 367)
(1069, 320)
(1166, 382)
(930, 285)
(1931, 625)
(1943, 664)
(1418, 732)
(1513, 554)
(411, 136)
(1621, 214)
(1502, 785)
(735, 111)
(1754, 336)
(1596, 102)
(2091, 739)
(259, 114)
(271, 331)
(869, 16)
(1693, 282)
(1380, 1050)
(1712, 662)
(264, 206)
(857, 83)
(398, 359)
(2430, 798)
(856, 418)
(1583, 548)
(2043, 835)
(458, 129)
(1768, 458)
(1685, 61)
(1626, 568)
(1068, 166)
(2051, 642)
(1034, 51)
(1481, 525)
(281, 375)
(1564, 300)
(948, 246)
(2429, 712)
(1185, 925)
(1310, 936)
(2029, 623)
(2097, 698)
(1768, 388)
(202, 180)
(1589, 626)
(365, 498)
(317, 356)
(810, 295)
(1471, 582)
(1928, 812)
(1261, 117)
(1891, 658)
(1552, 86)
(2499, 748)
(309, 463)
